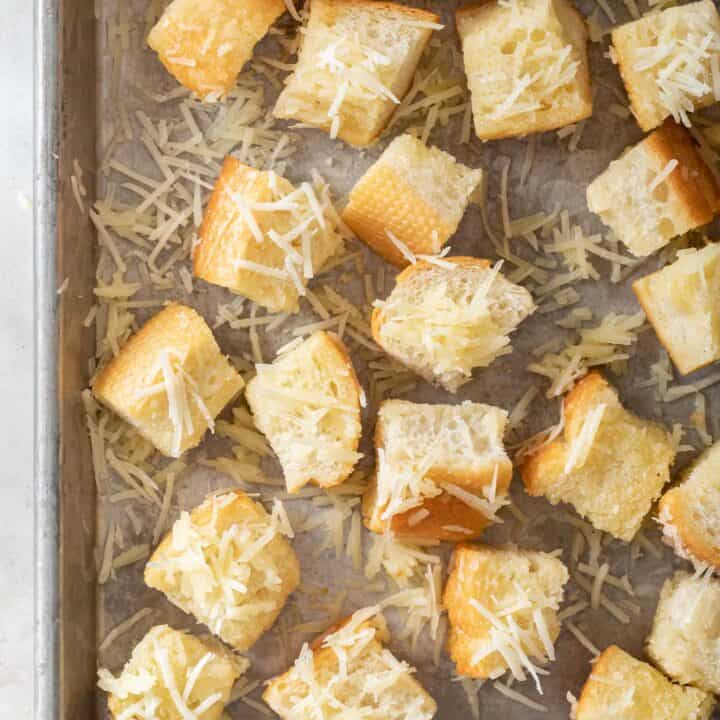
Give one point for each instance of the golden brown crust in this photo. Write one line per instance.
(601, 667)
(334, 6)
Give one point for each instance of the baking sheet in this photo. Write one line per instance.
(557, 178)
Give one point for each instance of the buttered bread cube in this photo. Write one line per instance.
(414, 194)
(443, 320)
(527, 66)
(206, 43)
(228, 564)
(666, 60)
(170, 380)
(348, 672)
(173, 676)
(307, 404)
(681, 303)
(655, 191)
(442, 470)
(689, 514)
(356, 62)
(502, 607)
(610, 465)
(623, 688)
(685, 637)
(263, 238)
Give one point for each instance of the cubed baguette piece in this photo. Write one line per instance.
(228, 564)
(610, 465)
(414, 194)
(170, 380)
(685, 637)
(690, 513)
(502, 607)
(666, 60)
(307, 404)
(442, 470)
(206, 43)
(527, 66)
(657, 190)
(349, 672)
(681, 302)
(444, 320)
(623, 688)
(174, 676)
(356, 63)
(263, 238)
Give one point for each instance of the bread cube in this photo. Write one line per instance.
(173, 676)
(424, 449)
(263, 238)
(444, 320)
(610, 465)
(690, 512)
(170, 380)
(206, 43)
(681, 303)
(415, 193)
(307, 403)
(666, 62)
(623, 688)
(655, 191)
(685, 638)
(527, 66)
(349, 672)
(356, 63)
(228, 564)
(502, 608)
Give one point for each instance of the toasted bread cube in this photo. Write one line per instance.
(173, 675)
(415, 193)
(527, 66)
(685, 637)
(690, 513)
(206, 43)
(263, 238)
(623, 688)
(349, 672)
(681, 303)
(170, 380)
(502, 608)
(356, 63)
(442, 470)
(658, 189)
(307, 404)
(610, 465)
(666, 61)
(444, 320)
(227, 563)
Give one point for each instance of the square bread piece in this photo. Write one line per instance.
(170, 380)
(442, 470)
(527, 66)
(173, 676)
(690, 513)
(502, 607)
(610, 465)
(656, 190)
(681, 302)
(666, 61)
(414, 193)
(263, 238)
(685, 637)
(623, 688)
(356, 63)
(348, 672)
(206, 43)
(444, 320)
(307, 404)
